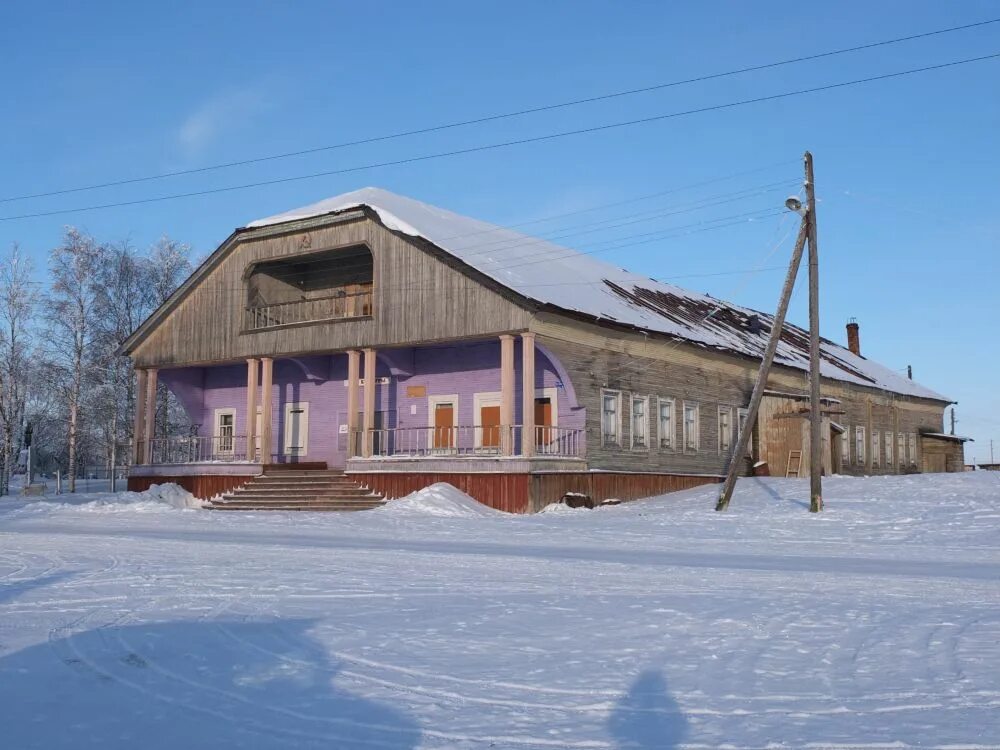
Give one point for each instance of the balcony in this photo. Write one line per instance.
(331, 307)
(309, 287)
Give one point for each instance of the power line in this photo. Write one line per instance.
(500, 116)
(507, 144)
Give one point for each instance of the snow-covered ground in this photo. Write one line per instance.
(126, 622)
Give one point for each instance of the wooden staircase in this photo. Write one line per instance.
(297, 487)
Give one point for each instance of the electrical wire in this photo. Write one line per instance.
(501, 116)
(506, 144)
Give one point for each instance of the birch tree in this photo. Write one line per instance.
(18, 304)
(70, 311)
(122, 301)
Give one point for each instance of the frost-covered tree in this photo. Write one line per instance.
(123, 300)
(18, 306)
(70, 333)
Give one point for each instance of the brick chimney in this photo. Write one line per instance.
(854, 337)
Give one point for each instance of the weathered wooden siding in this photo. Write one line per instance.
(597, 358)
(941, 455)
(201, 486)
(600, 486)
(525, 492)
(418, 297)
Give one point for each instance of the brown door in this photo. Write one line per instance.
(543, 421)
(444, 426)
(489, 420)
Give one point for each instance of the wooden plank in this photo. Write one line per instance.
(207, 325)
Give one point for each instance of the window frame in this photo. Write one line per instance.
(876, 460)
(217, 436)
(617, 437)
(860, 446)
(913, 448)
(696, 407)
(724, 440)
(662, 401)
(644, 400)
(888, 449)
(845, 446)
(742, 413)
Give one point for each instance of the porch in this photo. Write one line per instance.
(471, 401)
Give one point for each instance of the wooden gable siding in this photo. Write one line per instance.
(418, 297)
(597, 358)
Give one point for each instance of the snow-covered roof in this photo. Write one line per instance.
(577, 282)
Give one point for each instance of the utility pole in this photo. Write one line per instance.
(765, 367)
(807, 231)
(815, 415)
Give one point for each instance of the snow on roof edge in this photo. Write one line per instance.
(516, 260)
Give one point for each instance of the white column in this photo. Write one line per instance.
(253, 366)
(528, 393)
(369, 399)
(353, 401)
(266, 431)
(139, 426)
(150, 430)
(506, 394)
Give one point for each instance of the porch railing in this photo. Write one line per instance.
(330, 307)
(468, 440)
(196, 449)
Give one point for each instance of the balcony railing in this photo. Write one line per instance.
(330, 307)
(469, 440)
(196, 449)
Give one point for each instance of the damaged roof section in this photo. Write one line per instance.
(742, 330)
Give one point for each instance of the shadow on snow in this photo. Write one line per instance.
(647, 717)
(217, 684)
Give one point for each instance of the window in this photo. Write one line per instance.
(888, 448)
(691, 436)
(845, 446)
(225, 431)
(296, 429)
(875, 448)
(666, 423)
(859, 445)
(901, 448)
(741, 424)
(611, 417)
(725, 429)
(913, 449)
(640, 422)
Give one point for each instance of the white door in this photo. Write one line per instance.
(296, 429)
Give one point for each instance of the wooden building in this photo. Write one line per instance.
(408, 345)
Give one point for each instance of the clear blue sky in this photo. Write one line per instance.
(906, 169)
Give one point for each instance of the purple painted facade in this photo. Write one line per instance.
(462, 370)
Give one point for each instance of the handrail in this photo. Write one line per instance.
(466, 440)
(187, 449)
(345, 295)
(332, 307)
